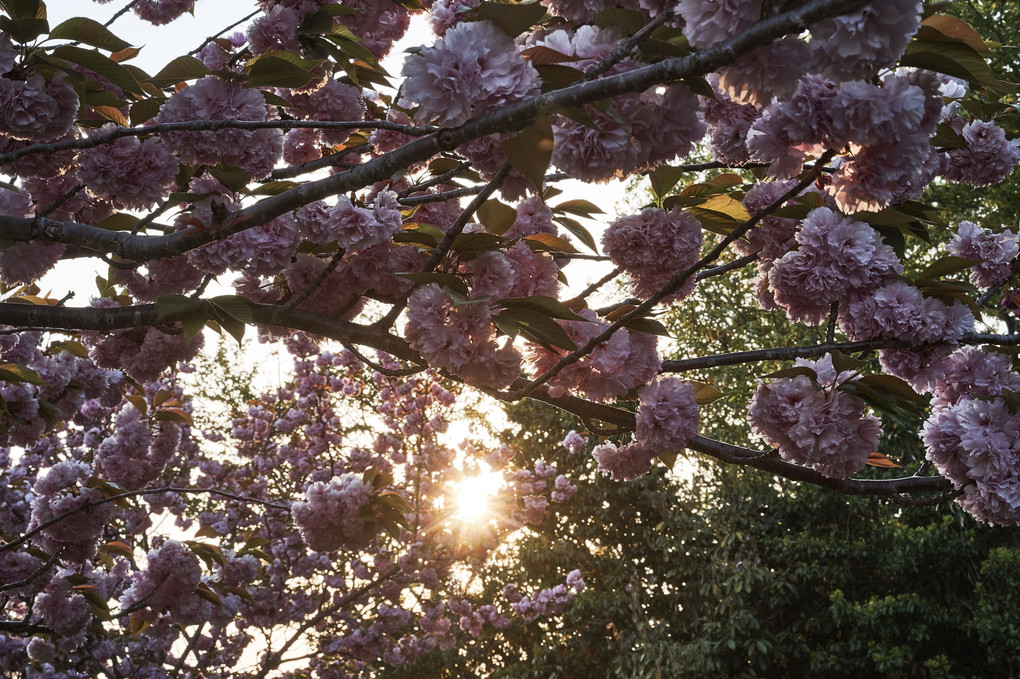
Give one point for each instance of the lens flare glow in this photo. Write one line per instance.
(474, 494)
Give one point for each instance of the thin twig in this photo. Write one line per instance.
(447, 242)
(678, 280)
(121, 12)
(35, 574)
(213, 37)
(211, 126)
(314, 285)
(90, 504)
(594, 286)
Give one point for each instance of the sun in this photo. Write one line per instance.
(473, 496)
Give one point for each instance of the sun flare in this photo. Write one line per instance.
(473, 496)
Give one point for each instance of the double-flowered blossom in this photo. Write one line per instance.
(168, 583)
(837, 257)
(667, 415)
(329, 518)
(623, 463)
(710, 22)
(472, 70)
(131, 172)
(357, 228)
(993, 252)
(856, 44)
(36, 109)
(132, 457)
(653, 246)
(332, 101)
(60, 491)
(989, 157)
(159, 12)
(459, 337)
(884, 127)
(900, 311)
(975, 443)
(254, 151)
(813, 423)
(625, 361)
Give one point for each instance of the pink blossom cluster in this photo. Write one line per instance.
(36, 109)
(858, 43)
(657, 127)
(258, 251)
(989, 157)
(993, 252)
(159, 12)
(356, 228)
(837, 257)
(61, 491)
(653, 246)
(472, 70)
(132, 457)
(667, 415)
(254, 151)
(866, 119)
(329, 518)
(813, 423)
(772, 237)
(728, 124)
(574, 442)
(900, 311)
(623, 463)
(547, 601)
(973, 435)
(626, 361)
(168, 583)
(459, 338)
(131, 172)
(708, 23)
(332, 101)
(142, 353)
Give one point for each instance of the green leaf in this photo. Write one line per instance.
(945, 28)
(12, 372)
(179, 70)
(475, 242)
(101, 64)
(582, 234)
(496, 216)
(664, 178)
(530, 151)
(90, 32)
(705, 393)
(842, 362)
(545, 305)
(273, 188)
(119, 221)
(646, 325)
(952, 58)
(945, 266)
(511, 19)
(279, 68)
(537, 327)
(547, 242)
(233, 178)
(792, 372)
(947, 138)
(24, 30)
(24, 9)
(144, 110)
(233, 306)
(75, 348)
(541, 55)
(628, 21)
(582, 208)
(558, 76)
